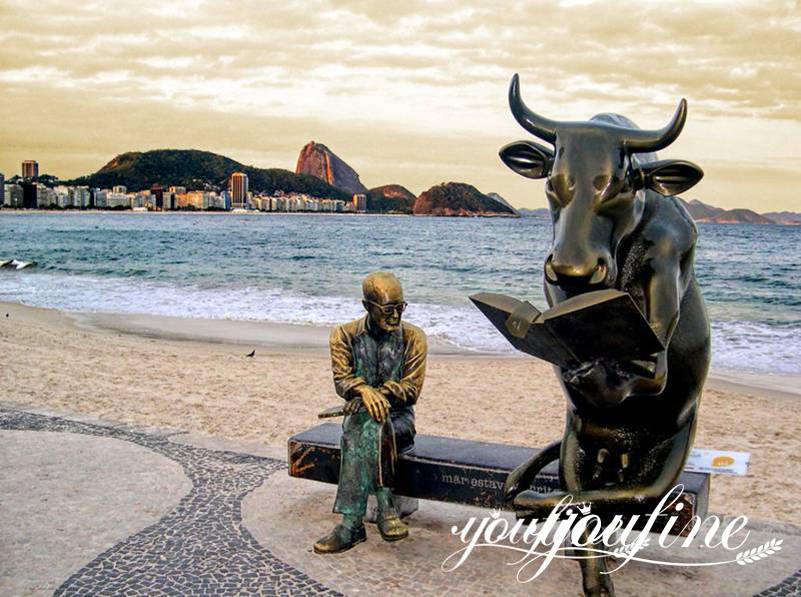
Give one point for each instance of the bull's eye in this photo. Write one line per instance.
(559, 189)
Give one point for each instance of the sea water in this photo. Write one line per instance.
(308, 268)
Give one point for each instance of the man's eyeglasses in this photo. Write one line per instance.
(391, 308)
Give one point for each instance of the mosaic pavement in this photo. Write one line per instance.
(202, 546)
(199, 548)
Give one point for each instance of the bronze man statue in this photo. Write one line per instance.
(379, 364)
(617, 224)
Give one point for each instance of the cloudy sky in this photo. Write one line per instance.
(410, 92)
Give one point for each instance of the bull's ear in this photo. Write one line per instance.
(527, 158)
(670, 177)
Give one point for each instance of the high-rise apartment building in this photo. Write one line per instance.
(226, 199)
(360, 202)
(46, 197)
(29, 199)
(80, 197)
(99, 198)
(158, 194)
(239, 190)
(14, 195)
(30, 169)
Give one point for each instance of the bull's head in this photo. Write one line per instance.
(595, 184)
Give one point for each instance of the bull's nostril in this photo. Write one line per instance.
(550, 274)
(599, 274)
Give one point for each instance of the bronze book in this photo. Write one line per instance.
(602, 323)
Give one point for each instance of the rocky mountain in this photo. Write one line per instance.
(198, 170)
(739, 216)
(784, 217)
(459, 199)
(391, 198)
(701, 212)
(502, 201)
(317, 160)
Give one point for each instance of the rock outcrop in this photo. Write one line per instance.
(391, 198)
(502, 201)
(459, 199)
(319, 161)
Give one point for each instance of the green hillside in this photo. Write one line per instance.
(199, 170)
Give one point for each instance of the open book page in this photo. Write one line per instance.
(603, 323)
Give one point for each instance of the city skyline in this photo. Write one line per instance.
(412, 94)
(27, 191)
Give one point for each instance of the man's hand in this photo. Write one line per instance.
(375, 403)
(352, 406)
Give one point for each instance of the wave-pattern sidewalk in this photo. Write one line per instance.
(201, 547)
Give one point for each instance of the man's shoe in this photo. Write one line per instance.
(342, 538)
(392, 529)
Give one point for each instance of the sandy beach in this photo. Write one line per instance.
(193, 375)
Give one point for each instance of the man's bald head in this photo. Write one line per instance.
(383, 300)
(382, 288)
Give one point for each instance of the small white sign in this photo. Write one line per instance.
(719, 462)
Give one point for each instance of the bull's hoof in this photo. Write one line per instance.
(600, 586)
(528, 504)
(510, 490)
(528, 499)
(511, 487)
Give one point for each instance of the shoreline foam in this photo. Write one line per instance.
(461, 328)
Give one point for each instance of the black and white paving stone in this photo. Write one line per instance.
(201, 547)
(789, 586)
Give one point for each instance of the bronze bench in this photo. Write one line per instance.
(454, 470)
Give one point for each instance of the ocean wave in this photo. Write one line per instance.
(756, 347)
(737, 345)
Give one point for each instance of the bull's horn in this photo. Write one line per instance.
(643, 141)
(531, 121)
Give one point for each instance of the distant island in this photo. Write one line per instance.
(702, 212)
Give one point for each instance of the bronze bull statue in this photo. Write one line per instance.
(617, 224)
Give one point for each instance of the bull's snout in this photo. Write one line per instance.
(589, 273)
